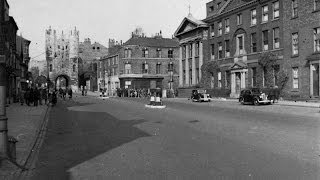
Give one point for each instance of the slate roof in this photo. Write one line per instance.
(195, 21)
(153, 42)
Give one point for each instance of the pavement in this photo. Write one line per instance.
(24, 123)
(311, 104)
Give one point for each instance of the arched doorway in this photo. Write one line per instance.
(62, 81)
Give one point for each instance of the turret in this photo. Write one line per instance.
(74, 43)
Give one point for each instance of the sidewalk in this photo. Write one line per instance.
(23, 124)
(280, 102)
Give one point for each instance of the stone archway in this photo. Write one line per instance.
(62, 81)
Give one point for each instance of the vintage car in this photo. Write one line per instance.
(200, 95)
(254, 96)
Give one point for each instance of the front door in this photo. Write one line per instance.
(238, 82)
(316, 80)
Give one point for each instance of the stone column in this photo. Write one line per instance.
(180, 68)
(243, 80)
(187, 66)
(194, 79)
(200, 60)
(233, 83)
(311, 80)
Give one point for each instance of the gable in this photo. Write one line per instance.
(238, 65)
(187, 26)
(234, 4)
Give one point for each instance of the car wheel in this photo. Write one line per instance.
(256, 102)
(242, 101)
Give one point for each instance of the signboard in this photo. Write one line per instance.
(2, 59)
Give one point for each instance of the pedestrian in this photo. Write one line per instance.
(31, 97)
(27, 96)
(45, 95)
(70, 93)
(40, 96)
(36, 96)
(20, 96)
(85, 90)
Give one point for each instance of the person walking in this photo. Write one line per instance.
(70, 93)
(31, 97)
(36, 96)
(45, 95)
(40, 96)
(27, 96)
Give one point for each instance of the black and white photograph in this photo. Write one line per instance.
(159, 90)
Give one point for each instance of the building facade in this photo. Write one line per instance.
(302, 42)
(24, 59)
(149, 63)
(62, 56)
(192, 35)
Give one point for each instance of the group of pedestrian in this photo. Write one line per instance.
(33, 96)
(84, 90)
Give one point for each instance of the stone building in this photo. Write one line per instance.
(192, 35)
(62, 55)
(145, 62)
(302, 47)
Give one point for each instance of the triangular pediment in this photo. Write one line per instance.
(185, 26)
(238, 65)
(234, 4)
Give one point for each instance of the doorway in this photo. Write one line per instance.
(315, 73)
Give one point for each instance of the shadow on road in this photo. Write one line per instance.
(74, 137)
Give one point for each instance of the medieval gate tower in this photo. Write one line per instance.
(62, 55)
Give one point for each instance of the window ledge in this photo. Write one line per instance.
(295, 90)
(253, 25)
(316, 10)
(264, 22)
(275, 19)
(316, 52)
(294, 17)
(295, 55)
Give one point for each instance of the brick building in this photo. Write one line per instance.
(24, 59)
(302, 47)
(108, 69)
(148, 62)
(8, 50)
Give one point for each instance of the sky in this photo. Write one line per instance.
(100, 20)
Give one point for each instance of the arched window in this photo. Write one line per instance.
(74, 68)
(50, 67)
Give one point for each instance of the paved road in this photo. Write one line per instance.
(90, 138)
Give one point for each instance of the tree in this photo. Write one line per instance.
(208, 69)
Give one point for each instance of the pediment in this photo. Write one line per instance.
(185, 26)
(238, 65)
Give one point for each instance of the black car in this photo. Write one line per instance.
(254, 96)
(200, 95)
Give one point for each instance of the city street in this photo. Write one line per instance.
(118, 138)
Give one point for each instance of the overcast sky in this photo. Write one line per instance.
(100, 20)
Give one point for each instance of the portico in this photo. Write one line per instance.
(239, 76)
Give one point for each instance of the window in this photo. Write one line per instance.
(58, 46)
(100, 64)
(218, 5)
(127, 68)
(254, 42)
(145, 68)
(316, 33)
(50, 67)
(219, 28)
(316, 5)
(295, 78)
(220, 50)
(295, 44)
(212, 30)
(227, 48)
(93, 48)
(145, 53)
(211, 8)
(197, 49)
(158, 66)
(254, 77)
(170, 53)
(212, 81)
(275, 6)
(212, 52)
(74, 68)
(240, 44)
(265, 41)
(265, 13)
(227, 26)
(109, 62)
(127, 53)
(100, 75)
(219, 80)
(170, 66)
(239, 19)
(158, 53)
(253, 17)
(112, 72)
(276, 38)
(294, 8)
(227, 79)
(98, 48)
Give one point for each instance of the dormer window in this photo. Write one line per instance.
(211, 8)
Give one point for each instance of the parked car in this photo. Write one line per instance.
(200, 95)
(254, 96)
